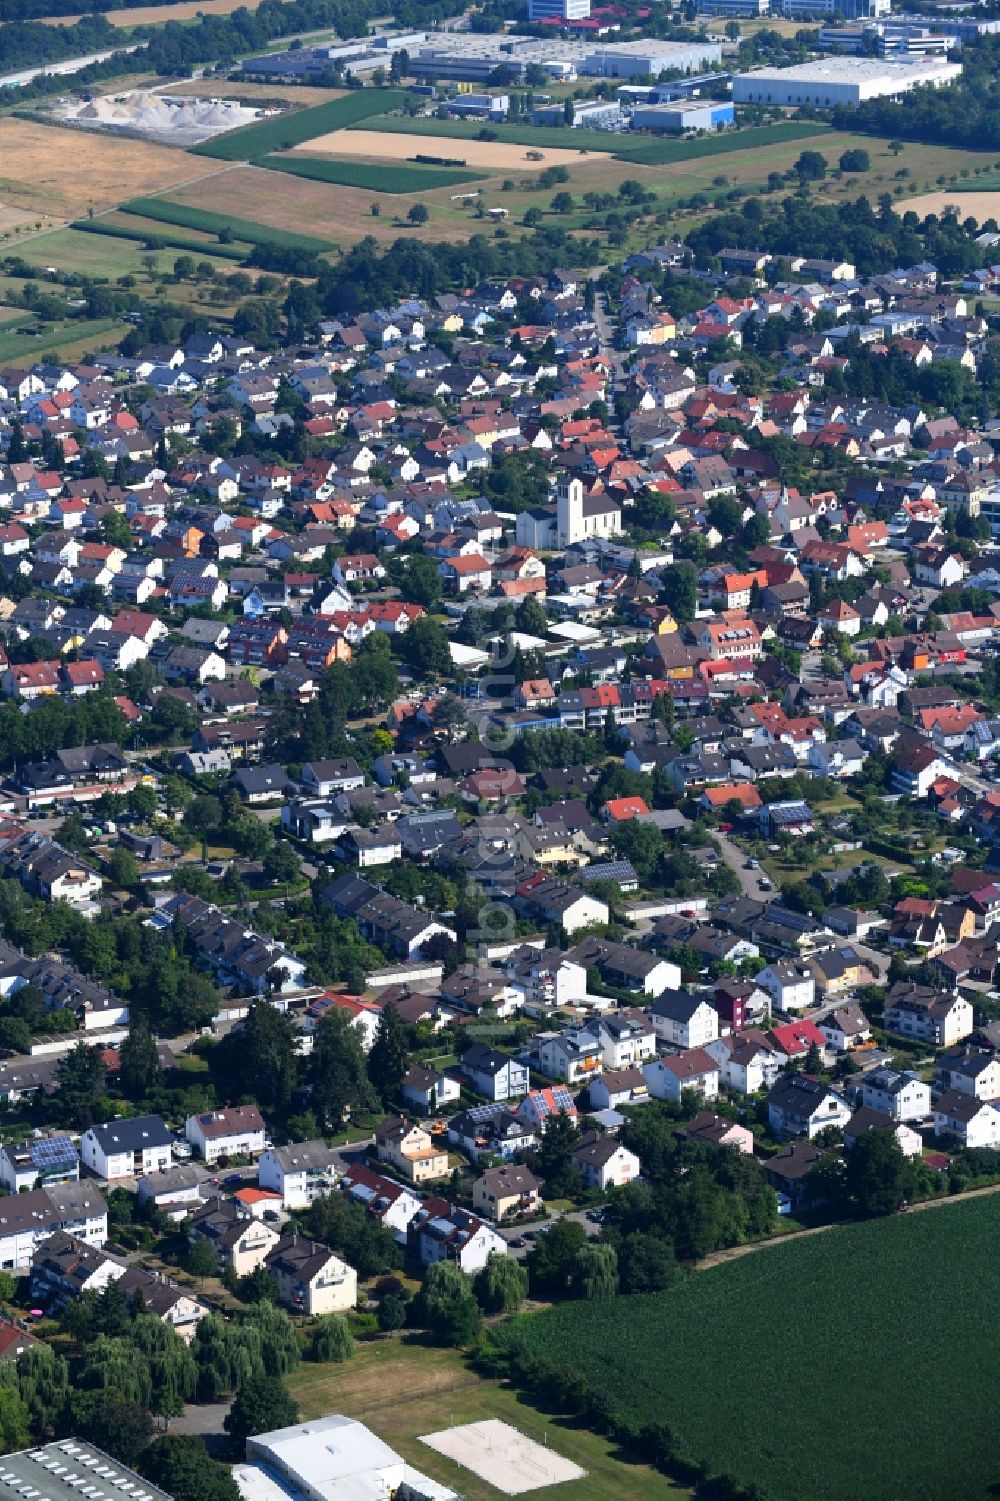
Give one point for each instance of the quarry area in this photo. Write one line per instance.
(170, 119)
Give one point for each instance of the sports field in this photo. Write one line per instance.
(856, 1363)
(402, 1389)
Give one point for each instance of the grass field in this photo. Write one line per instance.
(284, 131)
(856, 1363)
(70, 339)
(403, 1390)
(141, 235)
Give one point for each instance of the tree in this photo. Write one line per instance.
(552, 1261)
(113, 1421)
(391, 1313)
(332, 1340)
(450, 1308)
(595, 1271)
(811, 166)
(139, 1064)
(201, 1259)
(388, 1059)
(856, 160)
(14, 1421)
(81, 1086)
(418, 213)
(640, 843)
(646, 1263)
(262, 1403)
(501, 1285)
(419, 581)
(554, 1160)
(362, 1240)
(680, 591)
(259, 1059)
(338, 1069)
(879, 1177)
(281, 864)
(181, 1465)
(425, 649)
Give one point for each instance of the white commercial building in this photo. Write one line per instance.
(330, 1459)
(558, 10)
(829, 81)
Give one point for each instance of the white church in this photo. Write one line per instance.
(575, 517)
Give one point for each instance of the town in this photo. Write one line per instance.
(499, 808)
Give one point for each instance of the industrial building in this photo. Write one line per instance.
(588, 114)
(851, 10)
(361, 57)
(889, 39)
(673, 119)
(329, 1459)
(474, 58)
(70, 1469)
(830, 81)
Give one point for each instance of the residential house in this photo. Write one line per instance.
(237, 1131)
(798, 1105)
(496, 1075)
(299, 1172)
(901, 1096)
(693, 1069)
(127, 1148)
(408, 1148)
(604, 1162)
(312, 1279)
(685, 1020)
(505, 1193)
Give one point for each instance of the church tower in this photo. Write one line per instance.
(569, 512)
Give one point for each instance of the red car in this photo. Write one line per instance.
(726, 828)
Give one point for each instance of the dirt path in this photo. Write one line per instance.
(733, 1253)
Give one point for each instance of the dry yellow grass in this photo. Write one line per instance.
(220, 88)
(383, 145)
(152, 15)
(978, 206)
(59, 174)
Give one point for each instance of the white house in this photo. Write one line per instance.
(572, 1057)
(496, 1075)
(625, 1040)
(846, 1028)
(299, 1172)
(604, 1162)
(696, 1069)
(966, 1120)
(684, 1020)
(127, 1148)
(800, 1106)
(30, 1218)
(747, 1063)
(235, 1132)
(902, 1096)
(791, 986)
(440, 1231)
(312, 1279)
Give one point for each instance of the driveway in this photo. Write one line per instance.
(748, 879)
(514, 1232)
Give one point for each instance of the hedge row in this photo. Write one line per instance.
(164, 211)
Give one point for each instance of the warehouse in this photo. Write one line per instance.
(830, 81)
(475, 58)
(649, 59)
(673, 119)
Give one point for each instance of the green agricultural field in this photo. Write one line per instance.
(392, 178)
(858, 1363)
(164, 211)
(141, 237)
(641, 149)
(86, 254)
(252, 142)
